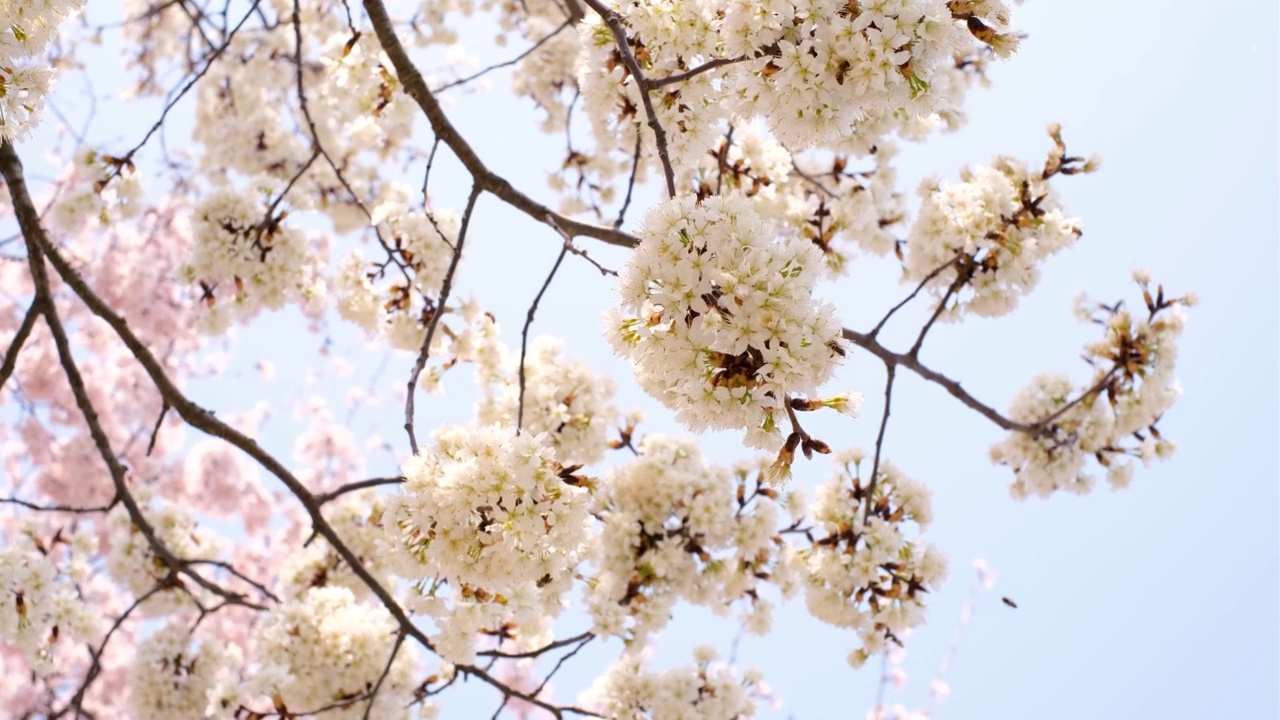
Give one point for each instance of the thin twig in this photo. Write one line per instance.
(563, 26)
(631, 181)
(19, 338)
(357, 485)
(524, 333)
(891, 371)
(155, 431)
(927, 279)
(445, 289)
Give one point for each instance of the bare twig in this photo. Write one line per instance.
(927, 279)
(890, 371)
(373, 693)
(655, 83)
(534, 48)
(892, 359)
(631, 181)
(357, 485)
(445, 289)
(19, 338)
(155, 431)
(213, 57)
(524, 333)
(55, 508)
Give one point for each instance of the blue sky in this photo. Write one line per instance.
(1162, 601)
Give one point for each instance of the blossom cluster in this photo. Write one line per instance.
(627, 690)
(322, 650)
(101, 187)
(721, 322)
(169, 678)
(672, 530)
(1113, 417)
(245, 258)
(40, 604)
(990, 233)
(491, 514)
(398, 308)
(25, 76)
(864, 572)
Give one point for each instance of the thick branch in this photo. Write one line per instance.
(193, 414)
(486, 179)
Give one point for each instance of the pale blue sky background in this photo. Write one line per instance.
(1159, 602)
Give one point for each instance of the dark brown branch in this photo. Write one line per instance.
(655, 83)
(357, 485)
(373, 693)
(155, 431)
(33, 233)
(891, 371)
(927, 278)
(213, 57)
(631, 181)
(95, 654)
(190, 412)
(55, 508)
(540, 651)
(890, 358)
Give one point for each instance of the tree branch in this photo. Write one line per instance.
(486, 179)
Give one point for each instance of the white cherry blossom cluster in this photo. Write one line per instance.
(865, 571)
(565, 399)
(39, 604)
(171, 679)
(133, 562)
(720, 319)
(322, 650)
(395, 299)
(707, 690)
(101, 187)
(989, 233)
(25, 74)
(489, 528)
(1112, 419)
(358, 102)
(673, 530)
(489, 509)
(245, 258)
(824, 67)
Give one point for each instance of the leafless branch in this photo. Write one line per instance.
(528, 320)
(445, 289)
(486, 179)
(534, 48)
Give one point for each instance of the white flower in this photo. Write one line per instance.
(723, 325)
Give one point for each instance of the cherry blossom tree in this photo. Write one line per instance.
(162, 560)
